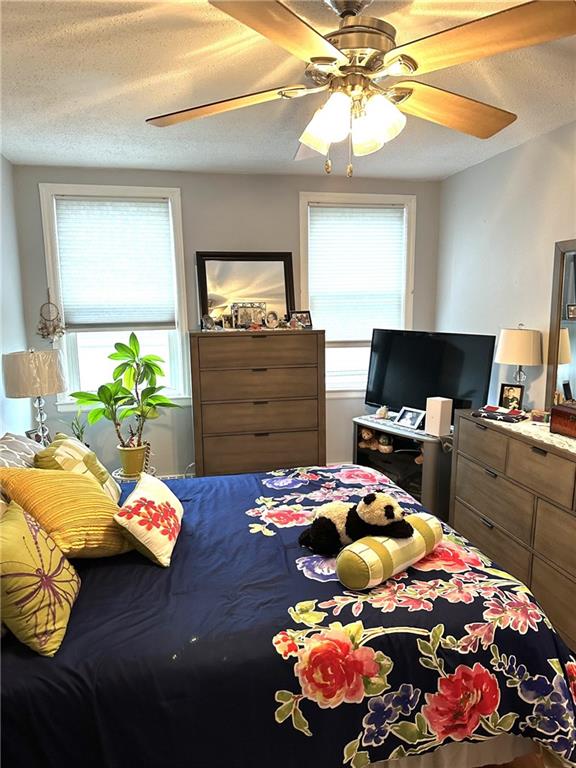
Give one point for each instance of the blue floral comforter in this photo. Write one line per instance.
(247, 651)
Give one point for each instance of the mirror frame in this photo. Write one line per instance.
(204, 256)
(562, 248)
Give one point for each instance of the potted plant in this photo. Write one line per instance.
(129, 401)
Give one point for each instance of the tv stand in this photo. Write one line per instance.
(428, 482)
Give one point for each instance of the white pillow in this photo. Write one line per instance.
(151, 518)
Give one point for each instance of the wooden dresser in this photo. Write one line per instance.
(513, 497)
(258, 399)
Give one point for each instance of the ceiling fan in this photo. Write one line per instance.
(363, 69)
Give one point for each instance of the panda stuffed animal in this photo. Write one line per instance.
(339, 523)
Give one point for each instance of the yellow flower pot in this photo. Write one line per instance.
(134, 460)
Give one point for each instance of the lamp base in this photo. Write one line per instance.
(519, 375)
(41, 429)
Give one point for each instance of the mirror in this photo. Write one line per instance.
(561, 371)
(229, 278)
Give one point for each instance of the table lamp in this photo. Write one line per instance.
(519, 346)
(34, 374)
(564, 350)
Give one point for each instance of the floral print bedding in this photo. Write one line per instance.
(247, 650)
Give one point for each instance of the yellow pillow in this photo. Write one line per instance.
(69, 454)
(38, 585)
(72, 508)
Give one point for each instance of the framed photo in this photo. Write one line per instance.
(303, 316)
(567, 389)
(244, 313)
(511, 396)
(571, 311)
(272, 320)
(32, 434)
(226, 321)
(410, 417)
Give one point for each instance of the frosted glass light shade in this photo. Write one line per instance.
(519, 346)
(382, 121)
(330, 124)
(33, 374)
(564, 349)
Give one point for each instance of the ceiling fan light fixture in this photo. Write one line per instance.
(380, 121)
(330, 124)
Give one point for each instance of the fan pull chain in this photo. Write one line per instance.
(350, 167)
(328, 162)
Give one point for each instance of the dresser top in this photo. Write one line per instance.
(245, 332)
(530, 432)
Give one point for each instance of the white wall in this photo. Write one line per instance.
(14, 414)
(498, 226)
(225, 212)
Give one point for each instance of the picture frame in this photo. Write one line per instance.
(571, 311)
(272, 320)
(32, 434)
(409, 417)
(511, 396)
(244, 313)
(227, 322)
(303, 316)
(567, 389)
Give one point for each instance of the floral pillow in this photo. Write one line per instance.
(150, 518)
(38, 586)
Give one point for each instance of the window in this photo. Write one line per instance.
(356, 255)
(115, 264)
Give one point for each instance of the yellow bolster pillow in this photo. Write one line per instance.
(370, 561)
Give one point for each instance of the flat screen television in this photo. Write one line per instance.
(406, 367)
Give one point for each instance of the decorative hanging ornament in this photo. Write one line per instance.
(50, 325)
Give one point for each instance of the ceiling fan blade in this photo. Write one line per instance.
(305, 153)
(450, 109)
(519, 27)
(281, 25)
(226, 105)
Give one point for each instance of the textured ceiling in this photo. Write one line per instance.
(79, 78)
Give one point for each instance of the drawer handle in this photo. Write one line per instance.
(258, 370)
(481, 426)
(487, 523)
(492, 474)
(260, 402)
(261, 434)
(259, 336)
(539, 451)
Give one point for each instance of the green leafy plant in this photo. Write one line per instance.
(132, 398)
(78, 427)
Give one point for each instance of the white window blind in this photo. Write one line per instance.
(356, 269)
(116, 263)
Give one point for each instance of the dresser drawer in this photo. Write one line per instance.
(495, 498)
(508, 554)
(259, 416)
(555, 592)
(260, 349)
(544, 472)
(258, 384)
(477, 440)
(555, 536)
(229, 454)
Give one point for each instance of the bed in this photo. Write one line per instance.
(248, 652)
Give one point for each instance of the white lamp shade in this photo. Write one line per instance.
(33, 374)
(564, 349)
(519, 346)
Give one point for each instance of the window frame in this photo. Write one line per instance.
(351, 199)
(179, 363)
